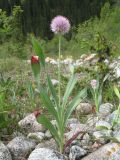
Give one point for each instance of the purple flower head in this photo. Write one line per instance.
(60, 25)
(94, 83)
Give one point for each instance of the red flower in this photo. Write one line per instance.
(34, 59)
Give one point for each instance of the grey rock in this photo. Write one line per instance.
(84, 108)
(20, 147)
(38, 136)
(45, 154)
(91, 122)
(76, 152)
(4, 152)
(29, 124)
(74, 129)
(110, 151)
(111, 117)
(50, 144)
(117, 135)
(55, 82)
(103, 125)
(86, 139)
(72, 121)
(105, 109)
(48, 134)
(102, 136)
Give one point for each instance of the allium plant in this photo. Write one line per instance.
(96, 93)
(59, 107)
(96, 90)
(117, 114)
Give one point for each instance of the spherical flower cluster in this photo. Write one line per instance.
(60, 25)
(93, 83)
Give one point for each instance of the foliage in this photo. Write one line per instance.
(60, 110)
(37, 14)
(97, 91)
(117, 114)
(101, 33)
(7, 110)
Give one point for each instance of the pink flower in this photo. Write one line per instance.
(93, 83)
(60, 25)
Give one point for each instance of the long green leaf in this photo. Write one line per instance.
(52, 90)
(117, 92)
(69, 89)
(47, 124)
(38, 50)
(47, 102)
(74, 103)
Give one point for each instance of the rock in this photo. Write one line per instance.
(91, 122)
(103, 125)
(76, 152)
(110, 151)
(29, 124)
(72, 121)
(110, 118)
(105, 109)
(50, 144)
(78, 127)
(20, 147)
(102, 136)
(86, 139)
(90, 57)
(45, 154)
(117, 135)
(55, 82)
(4, 152)
(74, 129)
(115, 69)
(48, 134)
(38, 136)
(84, 108)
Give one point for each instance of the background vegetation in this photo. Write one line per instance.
(95, 25)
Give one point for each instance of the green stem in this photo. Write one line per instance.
(59, 78)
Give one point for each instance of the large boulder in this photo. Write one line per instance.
(20, 147)
(4, 152)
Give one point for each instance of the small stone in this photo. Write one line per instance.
(45, 154)
(20, 147)
(50, 144)
(103, 125)
(72, 121)
(38, 136)
(111, 117)
(76, 152)
(55, 82)
(91, 122)
(48, 134)
(74, 129)
(102, 136)
(105, 109)
(117, 136)
(4, 152)
(86, 139)
(84, 108)
(78, 127)
(29, 124)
